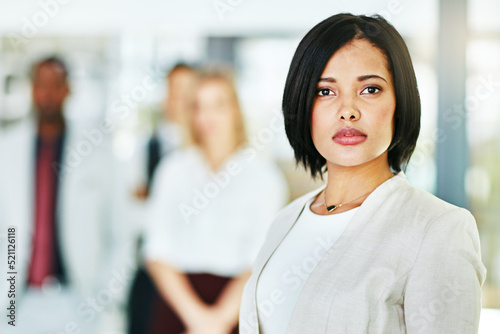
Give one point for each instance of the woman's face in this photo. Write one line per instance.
(214, 114)
(352, 116)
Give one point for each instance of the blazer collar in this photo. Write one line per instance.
(290, 215)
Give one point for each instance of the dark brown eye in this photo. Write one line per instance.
(324, 92)
(371, 90)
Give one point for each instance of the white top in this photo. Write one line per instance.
(170, 136)
(206, 222)
(283, 277)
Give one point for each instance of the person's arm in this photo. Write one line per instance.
(176, 290)
(443, 293)
(227, 306)
(159, 247)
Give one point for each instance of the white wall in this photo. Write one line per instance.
(221, 17)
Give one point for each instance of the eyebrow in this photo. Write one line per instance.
(360, 78)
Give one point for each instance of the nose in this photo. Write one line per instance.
(349, 112)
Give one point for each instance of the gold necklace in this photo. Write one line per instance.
(331, 208)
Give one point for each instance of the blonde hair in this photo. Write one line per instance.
(224, 76)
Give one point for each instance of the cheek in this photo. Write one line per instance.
(385, 122)
(213, 118)
(196, 122)
(226, 119)
(318, 122)
(200, 118)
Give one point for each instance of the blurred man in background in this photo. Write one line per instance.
(169, 134)
(57, 192)
(171, 131)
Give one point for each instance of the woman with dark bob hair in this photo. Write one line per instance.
(367, 253)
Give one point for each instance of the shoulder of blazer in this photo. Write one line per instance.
(416, 202)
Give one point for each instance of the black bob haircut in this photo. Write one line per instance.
(308, 63)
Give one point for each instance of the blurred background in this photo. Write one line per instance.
(112, 46)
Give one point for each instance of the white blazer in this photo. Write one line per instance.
(407, 262)
(93, 240)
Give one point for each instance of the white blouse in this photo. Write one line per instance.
(202, 221)
(283, 277)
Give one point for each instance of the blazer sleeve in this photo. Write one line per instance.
(443, 292)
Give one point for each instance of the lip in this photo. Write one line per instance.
(349, 136)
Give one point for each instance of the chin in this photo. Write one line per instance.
(351, 160)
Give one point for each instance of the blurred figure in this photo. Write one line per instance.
(56, 191)
(172, 130)
(206, 220)
(169, 134)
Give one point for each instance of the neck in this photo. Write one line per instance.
(217, 152)
(346, 184)
(50, 129)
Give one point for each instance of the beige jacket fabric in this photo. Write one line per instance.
(407, 262)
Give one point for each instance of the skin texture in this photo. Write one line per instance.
(49, 90)
(355, 91)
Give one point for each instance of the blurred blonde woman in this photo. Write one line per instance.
(208, 216)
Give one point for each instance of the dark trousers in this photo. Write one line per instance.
(148, 313)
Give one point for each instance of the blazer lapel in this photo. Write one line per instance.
(330, 261)
(281, 227)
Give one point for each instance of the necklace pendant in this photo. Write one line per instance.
(331, 208)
